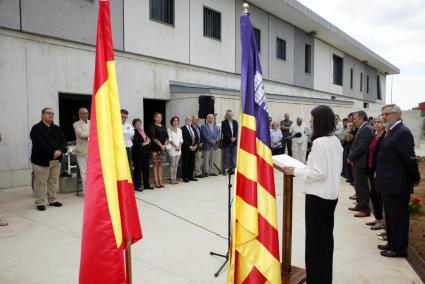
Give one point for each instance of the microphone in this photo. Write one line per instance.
(296, 135)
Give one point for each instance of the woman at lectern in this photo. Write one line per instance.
(322, 187)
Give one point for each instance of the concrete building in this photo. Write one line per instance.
(168, 53)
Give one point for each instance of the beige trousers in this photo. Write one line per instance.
(299, 151)
(82, 165)
(198, 163)
(174, 162)
(46, 180)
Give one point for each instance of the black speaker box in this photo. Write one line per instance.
(206, 106)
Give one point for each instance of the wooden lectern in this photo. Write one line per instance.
(290, 274)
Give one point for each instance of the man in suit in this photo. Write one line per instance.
(82, 130)
(358, 159)
(210, 137)
(396, 175)
(229, 134)
(197, 172)
(189, 148)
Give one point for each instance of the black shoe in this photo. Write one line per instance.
(383, 247)
(186, 180)
(65, 174)
(55, 204)
(193, 179)
(200, 176)
(213, 174)
(391, 253)
(41, 208)
(148, 187)
(205, 175)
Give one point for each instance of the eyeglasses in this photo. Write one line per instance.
(387, 113)
(49, 113)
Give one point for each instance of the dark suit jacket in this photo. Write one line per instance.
(360, 146)
(138, 147)
(226, 132)
(396, 165)
(187, 139)
(45, 141)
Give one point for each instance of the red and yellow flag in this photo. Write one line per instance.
(110, 212)
(254, 257)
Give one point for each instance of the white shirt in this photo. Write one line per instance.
(128, 132)
(177, 139)
(395, 124)
(295, 128)
(231, 126)
(324, 166)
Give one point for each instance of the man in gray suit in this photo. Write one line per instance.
(210, 137)
(358, 159)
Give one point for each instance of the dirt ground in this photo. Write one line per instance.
(417, 221)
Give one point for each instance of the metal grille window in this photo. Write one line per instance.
(307, 58)
(361, 82)
(280, 48)
(257, 34)
(367, 84)
(338, 65)
(351, 78)
(162, 11)
(212, 23)
(378, 86)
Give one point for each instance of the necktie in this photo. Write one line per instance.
(191, 134)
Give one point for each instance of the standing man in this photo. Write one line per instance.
(396, 175)
(82, 131)
(189, 147)
(48, 146)
(285, 126)
(299, 144)
(198, 154)
(358, 159)
(229, 134)
(3, 223)
(210, 137)
(128, 132)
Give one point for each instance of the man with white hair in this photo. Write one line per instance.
(299, 145)
(81, 128)
(396, 175)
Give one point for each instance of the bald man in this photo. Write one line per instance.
(82, 130)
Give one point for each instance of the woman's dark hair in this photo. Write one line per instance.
(136, 120)
(172, 119)
(323, 121)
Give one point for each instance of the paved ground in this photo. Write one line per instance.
(181, 224)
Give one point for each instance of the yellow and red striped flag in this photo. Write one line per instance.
(110, 219)
(254, 257)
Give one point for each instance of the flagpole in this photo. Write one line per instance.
(128, 262)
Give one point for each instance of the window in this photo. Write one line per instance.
(351, 78)
(212, 23)
(338, 64)
(365, 105)
(162, 11)
(367, 84)
(257, 34)
(361, 82)
(280, 49)
(378, 86)
(307, 58)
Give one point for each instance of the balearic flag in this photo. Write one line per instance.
(111, 220)
(254, 257)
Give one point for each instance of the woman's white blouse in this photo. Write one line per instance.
(324, 166)
(177, 139)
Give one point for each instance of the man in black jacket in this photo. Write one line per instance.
(48, 146)
(189, 148)
(396, 174)
(229, 134)
(358, 158)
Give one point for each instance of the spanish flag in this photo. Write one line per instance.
(254, 257)
(111, 220)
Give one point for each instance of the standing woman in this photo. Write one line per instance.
(375, 197)
(322, 187)
(174, 147)
(140, 155)
(159, 136)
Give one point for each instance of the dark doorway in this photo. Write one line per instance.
(69, 104)
(149, 109)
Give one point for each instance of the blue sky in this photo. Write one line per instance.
(394, 29)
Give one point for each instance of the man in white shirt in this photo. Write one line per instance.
(299, 145)
(81, 129)
(128, 132)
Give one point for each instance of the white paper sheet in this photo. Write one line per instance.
(287, 161)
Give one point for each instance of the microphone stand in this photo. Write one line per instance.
(229, 206)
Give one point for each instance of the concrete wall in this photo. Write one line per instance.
(208, 52)
(9, 14)
(371, 72)
(357, 66)
(260, 20)
(412, 119)
(281, 70)
(301, 78)
(74, 20)
(153, 38)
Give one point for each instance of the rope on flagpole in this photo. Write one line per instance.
(245, 9)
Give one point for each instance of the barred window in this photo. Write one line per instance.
(378, 86)
(257, 34)
(361, 82)
(351, 78)
(212, 23)
(280, 48)
(337, 72)
(307, 59)
(367, 84)
(162, 11)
